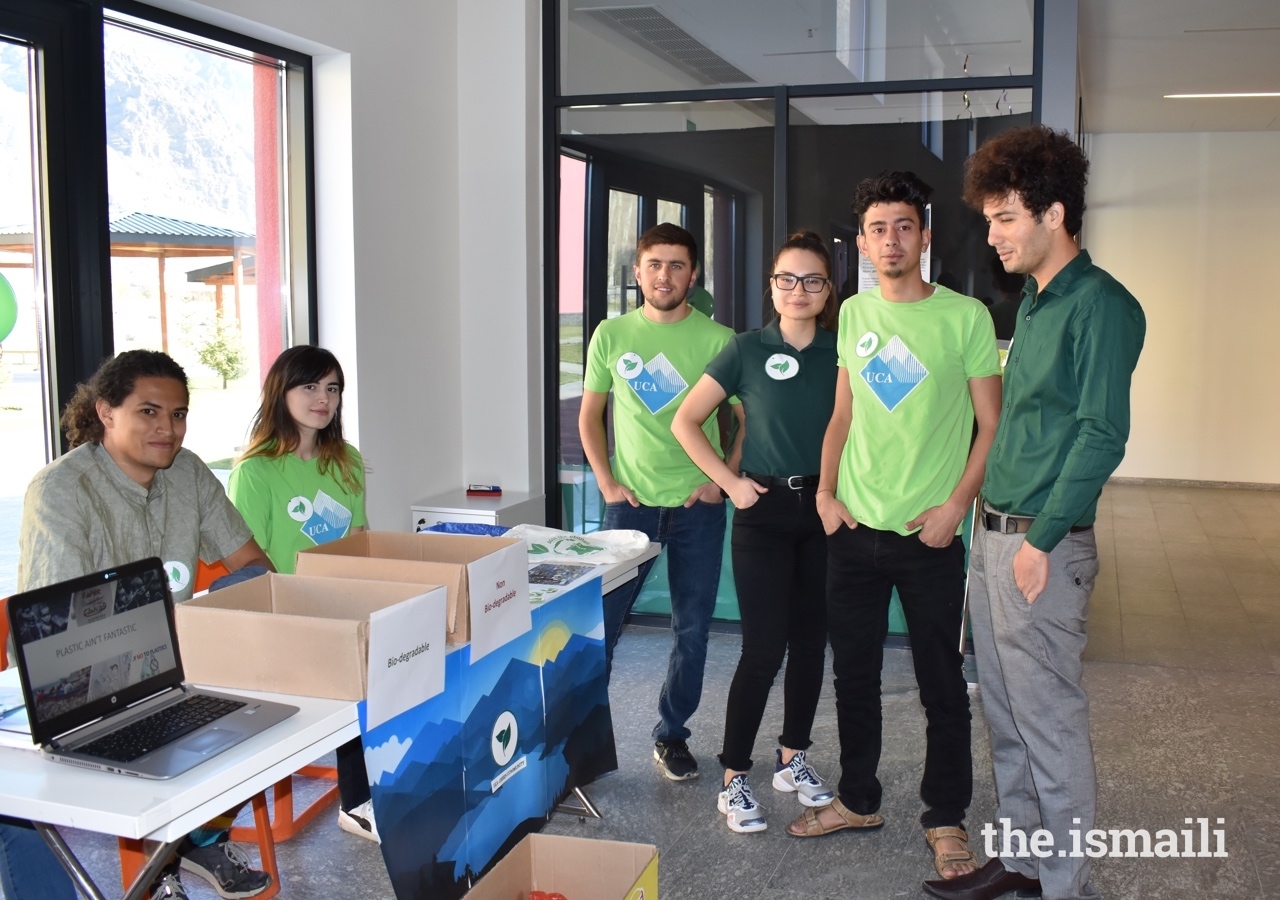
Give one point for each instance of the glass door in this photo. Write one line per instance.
(24, 384)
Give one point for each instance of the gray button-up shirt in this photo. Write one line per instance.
(82, 514)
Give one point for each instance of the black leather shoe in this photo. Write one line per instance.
(991, 881)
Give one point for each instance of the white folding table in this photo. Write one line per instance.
(54, 794)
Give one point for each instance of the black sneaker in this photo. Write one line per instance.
(168, 887)
(675, 760)
(225, 866)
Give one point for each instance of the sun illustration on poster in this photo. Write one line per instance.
(549, 644)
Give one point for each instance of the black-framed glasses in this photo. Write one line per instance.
(787, 282)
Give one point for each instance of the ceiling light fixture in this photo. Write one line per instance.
(1253, 94)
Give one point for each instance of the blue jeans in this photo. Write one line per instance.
(28, 868)
(694, 542)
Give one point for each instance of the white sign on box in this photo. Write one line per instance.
(500, 609)
(406, 655)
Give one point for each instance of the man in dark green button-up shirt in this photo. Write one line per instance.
(1063, 426)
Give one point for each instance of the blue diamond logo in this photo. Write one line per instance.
(893, 373)
(658, 384)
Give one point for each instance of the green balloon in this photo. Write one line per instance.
(8, 308)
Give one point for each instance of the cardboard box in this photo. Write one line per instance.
(286, 633)
(579, 868)
(397, 556)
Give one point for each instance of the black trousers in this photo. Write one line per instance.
(779, 569)
(864, 565)
(353, 779)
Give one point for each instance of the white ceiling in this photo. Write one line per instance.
(1133, 52)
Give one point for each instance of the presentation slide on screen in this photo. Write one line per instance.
(95, 643)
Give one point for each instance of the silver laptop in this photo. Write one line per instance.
(102, 678)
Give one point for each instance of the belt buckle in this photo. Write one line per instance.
(795, 482)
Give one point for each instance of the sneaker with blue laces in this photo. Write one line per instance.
(799, 777)
(739, 807)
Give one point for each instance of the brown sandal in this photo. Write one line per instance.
(945, 860)
(809, 825)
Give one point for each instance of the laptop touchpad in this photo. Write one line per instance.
(208, 741)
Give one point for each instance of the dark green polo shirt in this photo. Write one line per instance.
(787, 396)
(1065, 415)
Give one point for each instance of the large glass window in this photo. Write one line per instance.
(719, 43)
(197, 141)
(154, 194)
(25, 446)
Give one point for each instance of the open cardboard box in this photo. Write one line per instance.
(289, 634)
(579, 868)
(423, 558)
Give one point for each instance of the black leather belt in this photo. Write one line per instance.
(1003, 524)
(795, 482)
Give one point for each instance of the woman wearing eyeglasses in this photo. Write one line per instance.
(785, 375)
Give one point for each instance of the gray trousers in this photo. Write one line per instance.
(1029, 672)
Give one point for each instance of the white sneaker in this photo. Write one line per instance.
(359, 821)
(739, 807)
(800, 777)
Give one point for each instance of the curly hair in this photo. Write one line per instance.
(274, 432)
(891, 187)
(113, 382)
(1040, 165)
(813, 243)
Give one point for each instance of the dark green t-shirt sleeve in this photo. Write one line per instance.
(726, 368)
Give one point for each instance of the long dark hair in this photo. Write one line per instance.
(274, 433)
(813, 242)
(113, 382)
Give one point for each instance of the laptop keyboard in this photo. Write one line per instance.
(141, 737)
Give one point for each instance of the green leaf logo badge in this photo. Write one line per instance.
(504, 738)
(781, 367)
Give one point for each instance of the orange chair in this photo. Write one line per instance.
(285, 824)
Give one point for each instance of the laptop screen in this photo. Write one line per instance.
(93, 645)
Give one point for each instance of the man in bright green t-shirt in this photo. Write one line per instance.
(900, 470)
(648, 359)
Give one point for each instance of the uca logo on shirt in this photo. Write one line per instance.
(655, 382)
(323, 519)
(893, 373)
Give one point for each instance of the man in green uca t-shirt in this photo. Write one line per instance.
(649, 358)
(900, 470)
(1062, 433)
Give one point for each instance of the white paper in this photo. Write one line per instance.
(406, 655)
(500, 608)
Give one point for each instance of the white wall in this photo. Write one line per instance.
(1188, 222)
(427, 167)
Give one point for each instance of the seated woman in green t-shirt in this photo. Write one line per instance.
(299, 484)
(785, 376)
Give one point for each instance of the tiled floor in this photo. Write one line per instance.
(1185, 694)
(1189, 577)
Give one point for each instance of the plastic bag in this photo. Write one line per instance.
(600, 548)
(467, 528)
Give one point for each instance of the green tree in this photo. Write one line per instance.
(224, 353)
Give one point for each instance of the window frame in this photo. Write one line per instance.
(554, 100)
(68, 37)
